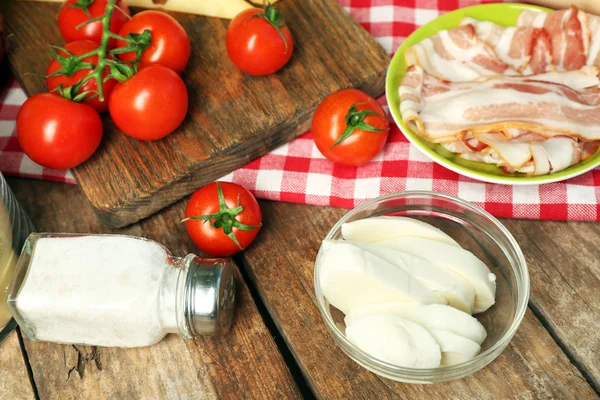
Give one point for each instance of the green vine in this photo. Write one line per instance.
(119, 70)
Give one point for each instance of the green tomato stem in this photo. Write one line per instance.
(118, 70)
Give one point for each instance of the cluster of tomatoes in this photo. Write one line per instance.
(141, 88)
(62, 128)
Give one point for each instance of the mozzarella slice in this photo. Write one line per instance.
(381, 228)
(455, 349)
(458, 292)
(394, 340)
(431, 317)
(351, 277)
(455, 259)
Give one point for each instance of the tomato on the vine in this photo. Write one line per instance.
(170, 44)
(222, 218)
(349, 127)
(258, 41)
(73, 13)
(149, 105)
(78, 48)
(58, 133)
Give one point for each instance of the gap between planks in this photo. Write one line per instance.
(27, 363)
(284, 349)
(561, 345)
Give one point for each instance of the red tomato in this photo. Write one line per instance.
(170, 43)
(222, 218)
(349, 127)
(70, 17)
(149, 105)
(259, 45)
(58, 133)
(78, 48)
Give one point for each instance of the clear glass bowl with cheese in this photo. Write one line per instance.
(379, 294)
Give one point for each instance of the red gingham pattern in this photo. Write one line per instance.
(297, 172)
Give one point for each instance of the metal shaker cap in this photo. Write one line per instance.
(209, 296)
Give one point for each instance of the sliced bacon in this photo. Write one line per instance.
(499, 104)
(589, 148)
(593, 58)
(526, 49)
(457, 55)
(541, 54)
(569, 32)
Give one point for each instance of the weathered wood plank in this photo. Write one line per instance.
(14, 382)
(233, 117)
(245, 362)
(564, 263)
(281, 265)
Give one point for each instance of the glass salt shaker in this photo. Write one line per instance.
(117, 290)
(15, 226)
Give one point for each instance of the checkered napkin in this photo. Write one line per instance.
(297, 172)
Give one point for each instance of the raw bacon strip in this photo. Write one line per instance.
(411, 96)
(499, 104)
(586, 77)
(569, 32)
(589, 148)
(593, 57)
(457, 55)
(526, 49)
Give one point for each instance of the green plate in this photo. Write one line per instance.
(504, 14)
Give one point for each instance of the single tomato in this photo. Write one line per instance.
(71, 78)
(73, 13)
(149, 105)
(222, 218)
(259, 42)
(349, 127)
(58, 133)
(169, 46)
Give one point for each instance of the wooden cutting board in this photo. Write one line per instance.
(233, 118)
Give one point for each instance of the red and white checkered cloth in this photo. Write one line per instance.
(297, 172)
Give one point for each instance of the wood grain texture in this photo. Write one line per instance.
(245, 362)
(233, 117)
(564, 264)
(281, 265)
(14, 382)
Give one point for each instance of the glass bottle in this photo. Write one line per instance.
(15, 226)
(117, 290)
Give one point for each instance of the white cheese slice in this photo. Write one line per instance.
(395, 340)
(455, 349)
(375, 229)
(458, 291)
(213, 8)
(351, 277)
(455, 259)
(432, 316)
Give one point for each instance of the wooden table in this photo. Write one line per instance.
(278, 347)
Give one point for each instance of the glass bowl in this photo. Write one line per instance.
(475, 230)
